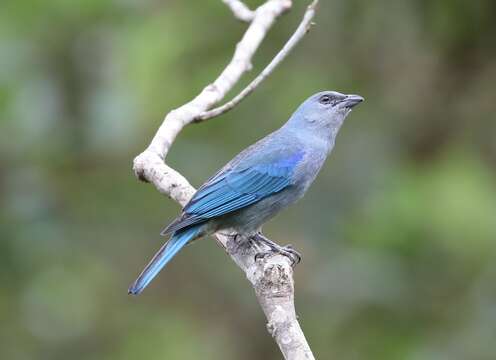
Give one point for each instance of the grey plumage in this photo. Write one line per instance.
(261, 181)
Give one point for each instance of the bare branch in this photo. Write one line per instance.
(240, 10)
(270, 276)
(265, 16)
(305, 25)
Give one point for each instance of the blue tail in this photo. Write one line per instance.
(162, 257)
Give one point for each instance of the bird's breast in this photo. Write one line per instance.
(308, 169)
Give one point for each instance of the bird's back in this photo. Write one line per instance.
(256, 184)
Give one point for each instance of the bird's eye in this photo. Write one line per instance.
(325, 99)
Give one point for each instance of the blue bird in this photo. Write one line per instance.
(259, 182)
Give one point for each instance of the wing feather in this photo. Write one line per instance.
(234, 189)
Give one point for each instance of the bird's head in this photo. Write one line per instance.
(324, 112)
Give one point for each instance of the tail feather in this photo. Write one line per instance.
(162, 257)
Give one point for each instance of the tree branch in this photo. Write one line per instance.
(240, 10)
(300, 32)
(270, 276)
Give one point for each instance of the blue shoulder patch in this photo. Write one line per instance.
(236, 189)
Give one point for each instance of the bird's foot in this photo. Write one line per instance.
(235, 242)
(255, 245)
(287, 251)
(294, 252)
(274, 248)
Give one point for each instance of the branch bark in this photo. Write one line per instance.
(270, 276)
(240, 10)
(302, 29)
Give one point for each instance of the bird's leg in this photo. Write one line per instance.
(275, 248)
(252, 242)
(238, 243)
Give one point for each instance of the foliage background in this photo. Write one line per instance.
(398, 233)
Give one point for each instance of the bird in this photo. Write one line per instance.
(259, 182)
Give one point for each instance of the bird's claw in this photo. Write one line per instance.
(287, 251)
(294, 255)
(261, 255)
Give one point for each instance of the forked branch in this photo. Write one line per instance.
(270, 276)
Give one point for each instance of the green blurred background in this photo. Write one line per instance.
(398, 233)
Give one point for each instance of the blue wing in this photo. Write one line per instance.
(235, 188)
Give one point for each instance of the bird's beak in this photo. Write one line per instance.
(352, 100)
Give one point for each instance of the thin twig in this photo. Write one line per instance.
(300, 32)
(265, 16)
(240, 10)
